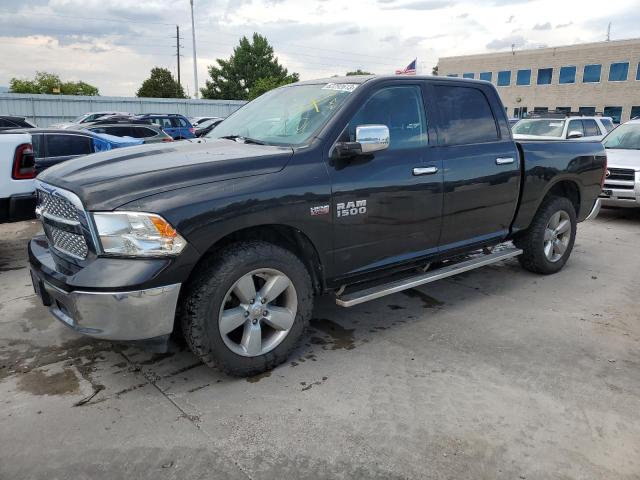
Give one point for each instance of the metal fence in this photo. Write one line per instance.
(47, 109)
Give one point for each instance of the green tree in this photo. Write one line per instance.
(161, 84)
(358, 72)
(251, 70)
(45, 82)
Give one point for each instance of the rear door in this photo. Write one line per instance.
(65, 146)
(386, 208)
(480, 163)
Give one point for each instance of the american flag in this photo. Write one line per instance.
(409, 70)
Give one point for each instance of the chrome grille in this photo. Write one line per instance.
(621, 174)
(62, 221)
(69, 243)
(57, 207)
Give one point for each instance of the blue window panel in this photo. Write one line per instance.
(544, 76)
(468, 75)
(638, 72)
(613, 112)
(452, 75)
(635, 112)
(591, 73)
(487, 76)
(523, 77)
(504, 78)
(587, 111)
(618, 72)
(567, 75)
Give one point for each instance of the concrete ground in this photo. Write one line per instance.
(495, 374)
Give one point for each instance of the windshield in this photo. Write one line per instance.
(539, 127)
(625, 137)
(286, 116)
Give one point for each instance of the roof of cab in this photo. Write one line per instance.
(367, 78)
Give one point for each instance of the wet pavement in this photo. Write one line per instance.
(496, 373)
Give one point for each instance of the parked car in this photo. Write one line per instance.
(177, 126)
(87, 117)
(562, 126)
(148, 133)
(8, 122)
(52, 146)
(205, 127)
(17, 174)
(336, 186)
(622, 182)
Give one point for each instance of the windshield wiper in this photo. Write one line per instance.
(243, 139)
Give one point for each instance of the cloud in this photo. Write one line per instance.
(462, 15)
(564, 25)
(348, 30)
(542, 26)
(421, 5)
(511, 19)
(518, 41)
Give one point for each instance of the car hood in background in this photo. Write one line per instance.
(623, 158)
(520, 136)
(107, 180)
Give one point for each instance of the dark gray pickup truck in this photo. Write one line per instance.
(357, 187)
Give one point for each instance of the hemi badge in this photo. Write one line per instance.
(319, 210)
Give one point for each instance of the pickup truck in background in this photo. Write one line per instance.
(357, 187)
(622, 180)
(17, 177)
(562, 126)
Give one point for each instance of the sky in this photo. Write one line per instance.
(113, 44)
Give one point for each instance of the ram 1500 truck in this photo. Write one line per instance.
(17, 177)
(357, 187)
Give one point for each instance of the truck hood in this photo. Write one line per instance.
(107, 180)
(617, 158)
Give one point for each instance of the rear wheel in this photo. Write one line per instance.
(247, 307)
(548, 242)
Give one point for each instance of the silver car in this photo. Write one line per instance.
(622, 179)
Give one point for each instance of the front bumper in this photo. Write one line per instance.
(106, 314)
(621, 193)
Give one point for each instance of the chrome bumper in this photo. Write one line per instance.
(595, 210)
(134, 315)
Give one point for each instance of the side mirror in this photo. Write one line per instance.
(575, 134)
(372, 138)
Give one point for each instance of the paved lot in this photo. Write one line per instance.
(495, 374)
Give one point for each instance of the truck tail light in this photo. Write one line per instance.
(24, 163)
(192, 130)
(167, 139)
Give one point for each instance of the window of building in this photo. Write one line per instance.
(591, 73)
(635, 112)
(466, 116)
(614, 112)
(468, 75)
(567, 75)
(523, 77)
(520, 112)
(590, 128)
(638, 72)
(452, 75)
(486, 76)
(587, 111)
(540, 109)
(504, 78)
(618, 72)
(563, 109)
(544, 76)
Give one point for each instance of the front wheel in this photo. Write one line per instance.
(548, 242)
(247, 307)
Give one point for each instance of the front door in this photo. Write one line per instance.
(383, 211)
(481, 167)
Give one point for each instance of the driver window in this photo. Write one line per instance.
(399, 108)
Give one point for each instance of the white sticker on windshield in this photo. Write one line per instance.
(341, 87)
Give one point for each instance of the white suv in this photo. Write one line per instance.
(622, 179)
(557, 126)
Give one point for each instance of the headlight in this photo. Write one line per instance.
(136, 234)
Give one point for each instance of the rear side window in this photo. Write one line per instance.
(4, 123)
(118, 131)
(38, 145)
(179, 122)
(163, 122)
(590, 128)
(66, 145)
(142, 132)
(465, 116)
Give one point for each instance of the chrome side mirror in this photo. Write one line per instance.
(372, 138)
(575, 134)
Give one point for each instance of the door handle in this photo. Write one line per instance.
(425, 170)
(504, 160)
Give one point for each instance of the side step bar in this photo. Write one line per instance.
(355, 298)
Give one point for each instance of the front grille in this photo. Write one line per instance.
(620, 174)
(618, 186)
(62, 222)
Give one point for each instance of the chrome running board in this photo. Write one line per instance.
(355, 298)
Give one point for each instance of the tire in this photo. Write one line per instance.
(536, 257)
(218, 291)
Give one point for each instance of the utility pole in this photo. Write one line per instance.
(609, 32)
(195, 58)
(178, 50)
